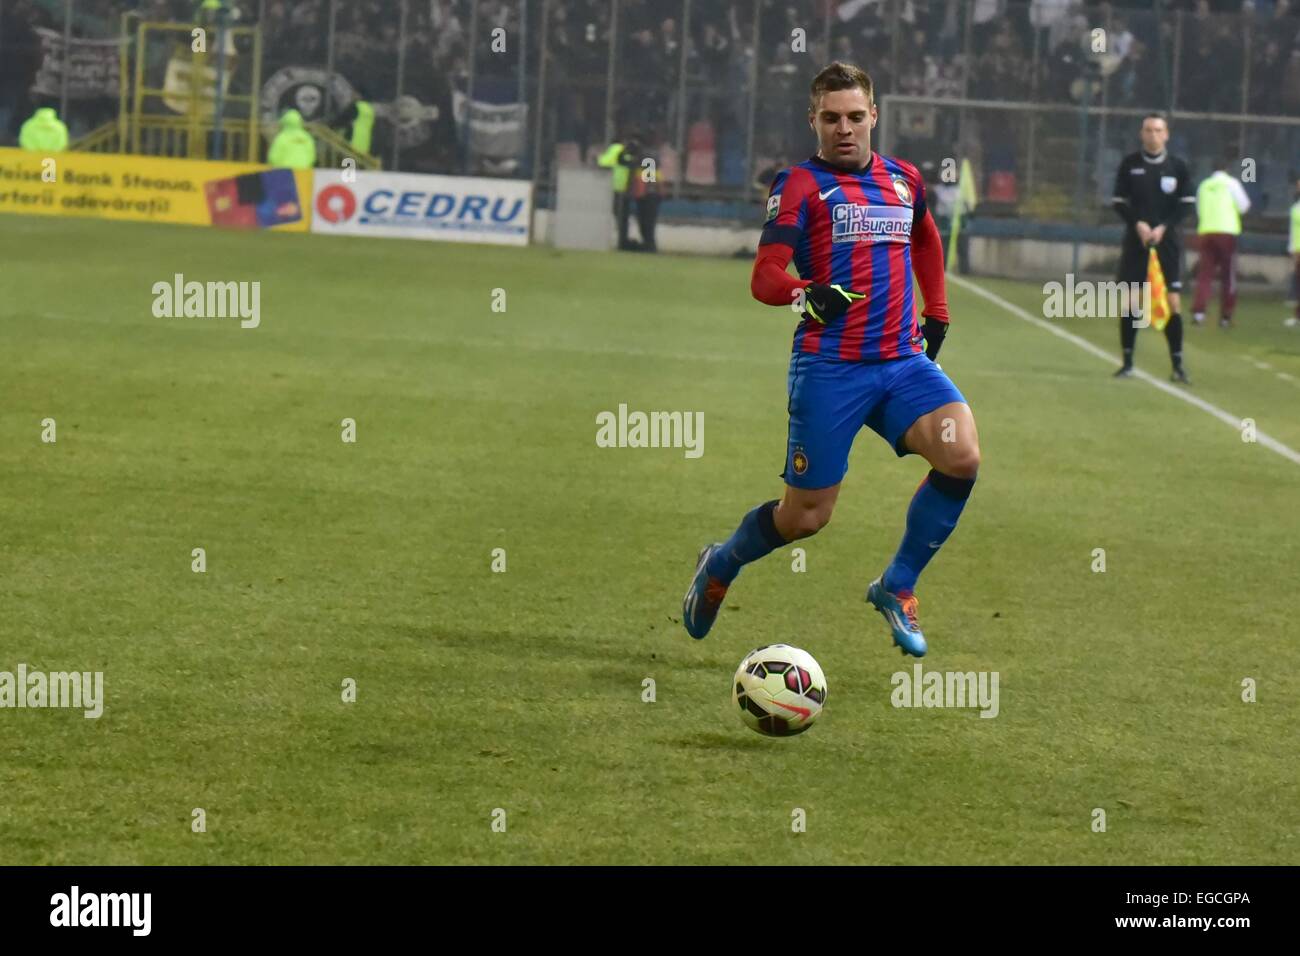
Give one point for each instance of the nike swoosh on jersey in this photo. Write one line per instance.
(823, 195)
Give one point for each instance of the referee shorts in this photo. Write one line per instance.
(1133, 258)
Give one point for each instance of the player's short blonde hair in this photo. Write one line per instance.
(838, 76)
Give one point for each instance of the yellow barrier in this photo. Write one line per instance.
(147, 189)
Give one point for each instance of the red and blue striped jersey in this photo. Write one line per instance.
(853, 229)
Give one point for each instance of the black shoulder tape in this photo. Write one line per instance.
(789, 235)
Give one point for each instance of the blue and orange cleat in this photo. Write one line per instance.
(900, 611)
(703, 598)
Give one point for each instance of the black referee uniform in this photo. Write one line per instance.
(1156, 190)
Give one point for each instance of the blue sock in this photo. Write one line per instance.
(756, 536)
(931, 517)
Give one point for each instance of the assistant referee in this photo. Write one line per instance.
(1153, 192)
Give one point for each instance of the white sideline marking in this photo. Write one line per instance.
(1235, 423)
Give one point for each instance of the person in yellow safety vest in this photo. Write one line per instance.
(207, 11)
(293, 146)
(44, 132)
(363, 126)
(1220, 203)
(620, 157)
(1293, 247)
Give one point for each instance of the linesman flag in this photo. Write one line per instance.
(1159, 294)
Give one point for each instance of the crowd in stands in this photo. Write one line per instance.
(999, 50)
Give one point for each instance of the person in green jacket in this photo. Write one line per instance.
(621, 157)
(211, 12)
(293, 146)
(44, 132)
(1221, 201)
(1293, 247)
(363, 126)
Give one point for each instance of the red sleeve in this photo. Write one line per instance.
(770, 282)
(787, 212)
(927, 265)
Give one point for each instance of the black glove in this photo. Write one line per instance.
(934, 333)
(826, 303)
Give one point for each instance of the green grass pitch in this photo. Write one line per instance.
(522, 690)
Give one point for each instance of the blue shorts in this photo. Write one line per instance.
(831, 399)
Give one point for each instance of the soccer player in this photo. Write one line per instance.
(856, 225)
(1153, 192)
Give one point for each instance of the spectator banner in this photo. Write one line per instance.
(409, 206)
(496, 131)
(412, 120)
(91, 64)
(303, 88)
(186, 87)
(148, 189)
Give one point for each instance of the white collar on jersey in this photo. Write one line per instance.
(1157, 158)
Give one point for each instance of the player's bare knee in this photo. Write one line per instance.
(962, 462)
(803, 522)
(811, 522)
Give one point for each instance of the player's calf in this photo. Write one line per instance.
(802, 513)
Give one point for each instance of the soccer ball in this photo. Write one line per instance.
(779, 689)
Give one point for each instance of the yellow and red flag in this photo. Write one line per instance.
(1159, 294)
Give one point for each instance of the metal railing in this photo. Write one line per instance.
(332, 149)
(1061, 160)
(161, 136)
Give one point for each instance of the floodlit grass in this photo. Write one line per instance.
(523, 690)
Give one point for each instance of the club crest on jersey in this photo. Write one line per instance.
(903, 190)
(773, 206)
(853, 223)
(1168, 184)
(800, 461)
